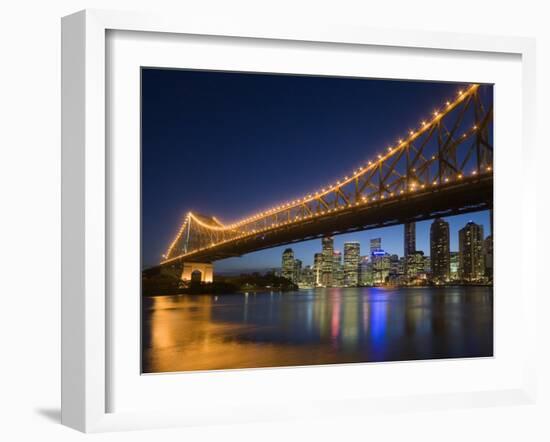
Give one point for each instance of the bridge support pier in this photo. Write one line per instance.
(197, 271)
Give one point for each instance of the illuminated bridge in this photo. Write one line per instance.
(442, 167)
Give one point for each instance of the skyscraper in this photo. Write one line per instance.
(337, 270)
(470, 244)
(366, 271)
(488, 256)
(454, 266)
(440, 250)
(352, 258)
(318, 268)
(375, 245)
(297, 271)
(409, 239)
(287, 268)
(409, 243)
(328, 261)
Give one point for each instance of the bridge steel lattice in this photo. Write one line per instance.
(443, 167)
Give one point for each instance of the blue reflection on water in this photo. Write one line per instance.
(316, 327)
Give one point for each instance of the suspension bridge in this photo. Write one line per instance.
(443, 167)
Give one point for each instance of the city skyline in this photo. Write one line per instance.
(392, 242)
(473, 263)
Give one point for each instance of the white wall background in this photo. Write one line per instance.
(30, 216)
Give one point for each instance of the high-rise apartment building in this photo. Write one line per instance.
(488, 257)
(327, 275)
(352, 258)
(318, 268)
(375, 245)
(440, 250)
(288, 266)
(470, 244)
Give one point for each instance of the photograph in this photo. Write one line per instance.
(301, 220)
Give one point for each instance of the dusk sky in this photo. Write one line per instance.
(232, 144)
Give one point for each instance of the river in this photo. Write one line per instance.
(317, 326)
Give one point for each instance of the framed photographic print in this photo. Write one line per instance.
(250, 213)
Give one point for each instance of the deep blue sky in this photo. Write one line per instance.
(230, 144)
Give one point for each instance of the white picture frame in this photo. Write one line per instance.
(85, 208)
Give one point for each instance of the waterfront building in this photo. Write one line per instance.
(471, 262)
(287, 268)
(366, 271)
(440, 250)
(338, 270)
(318, 268)
(454, 266)
(415, 265)
(307, 277)
(328, 261)
(352, 257)
(297, 271)
(488, 257)
(427, 265)
(375, 245)
(409, 241)
(380, 266)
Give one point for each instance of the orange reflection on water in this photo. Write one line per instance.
(181, 333)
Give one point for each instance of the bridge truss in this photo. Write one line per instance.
(453, 149)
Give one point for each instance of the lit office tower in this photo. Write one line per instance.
(439, 250)
(454, 266)
(470, 248)
(288, 269)
(410, 239)
(317, 268)
(409, 246)
(488, 256)
(352, 259)
(337, 270)
(366, 271)
(375, 245)
(328, 261)
(297, 271)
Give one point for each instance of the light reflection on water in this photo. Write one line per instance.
(321, 326)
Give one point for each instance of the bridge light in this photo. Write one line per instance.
(448, 103)
(475, 127)
(460, 93)
(379, 156)
(411, 133)
(423, 123)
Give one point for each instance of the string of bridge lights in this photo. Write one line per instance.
(285, 207)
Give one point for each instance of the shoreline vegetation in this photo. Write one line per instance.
(167, 285)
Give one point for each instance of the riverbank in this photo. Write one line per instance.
(167, 285)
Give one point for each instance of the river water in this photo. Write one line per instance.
(317, 326)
